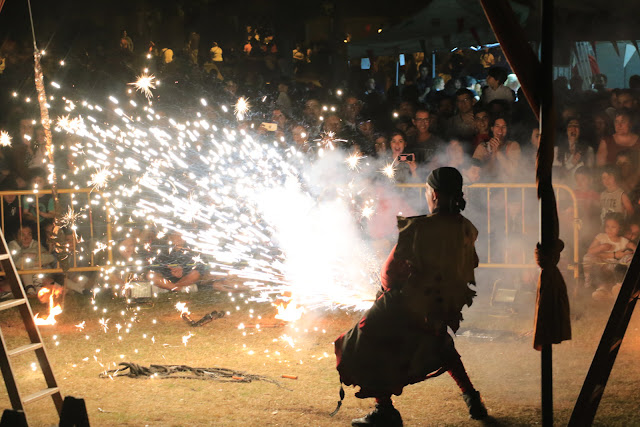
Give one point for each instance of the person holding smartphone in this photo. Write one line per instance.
(404, 164)
(492, 153)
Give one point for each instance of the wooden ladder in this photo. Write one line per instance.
(21, 302)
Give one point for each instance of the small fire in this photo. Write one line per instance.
(182, 308)
(289, 312)
(54, 308)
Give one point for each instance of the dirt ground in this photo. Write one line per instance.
(495, 344)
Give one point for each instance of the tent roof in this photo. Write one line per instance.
(447, 24)
(442, 24)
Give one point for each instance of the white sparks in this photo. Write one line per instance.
(241, 108)
(185, 338)
(353, 160)
(389, 171)
(100, 178)
(70, 125)
(5, 139)
(367, 212)
(144, 84)
(104, 324)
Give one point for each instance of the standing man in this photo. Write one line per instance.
(426, 280)
(424, 144)
(461, 125)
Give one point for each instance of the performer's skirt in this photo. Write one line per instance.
(388, 349)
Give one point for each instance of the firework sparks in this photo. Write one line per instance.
(353, 160)
(241, 108)
(100, 178)
(289, 340)
(367, 212)
(70, 218)
(104, 324)
(389, 171)
(5, 139)
(100, 247)
(144, 84)
(186, 338)
(71, 125)
(242, 206)
(328, 140)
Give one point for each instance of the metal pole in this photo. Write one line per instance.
(548, 227)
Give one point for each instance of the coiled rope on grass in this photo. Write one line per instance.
(133, 370)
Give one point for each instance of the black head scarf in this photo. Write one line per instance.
(446, 180)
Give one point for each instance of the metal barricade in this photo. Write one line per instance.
(82, 201)
(488, 207)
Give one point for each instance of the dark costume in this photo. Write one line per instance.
(402, 339)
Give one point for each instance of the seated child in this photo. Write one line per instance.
(613, 198)
(29, 255)
(177, 267)
(608, 250)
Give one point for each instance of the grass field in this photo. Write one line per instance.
(496, 351)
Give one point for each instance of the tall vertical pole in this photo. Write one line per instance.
(548, 214)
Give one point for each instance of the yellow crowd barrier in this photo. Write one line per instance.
(525, 196)
(564, 195)
(81, 201)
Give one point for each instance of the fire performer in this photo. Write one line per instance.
(403, 337)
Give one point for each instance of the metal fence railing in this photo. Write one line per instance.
(84, 221)
(508, 216)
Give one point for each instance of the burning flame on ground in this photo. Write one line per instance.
(289, 312)
(182, 308)
(54, 308)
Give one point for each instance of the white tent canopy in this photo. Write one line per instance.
(443, 24)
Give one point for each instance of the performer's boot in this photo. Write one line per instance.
(477, 410)
(384, 415)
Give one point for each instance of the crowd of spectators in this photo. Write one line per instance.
(470, 116)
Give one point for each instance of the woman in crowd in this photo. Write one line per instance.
(492, 153)
(623, 138)
(404, 164)
(573, 151)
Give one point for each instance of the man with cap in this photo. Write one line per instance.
(403, 337)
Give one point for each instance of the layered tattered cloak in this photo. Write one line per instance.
(402, 339)
(441, 257)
